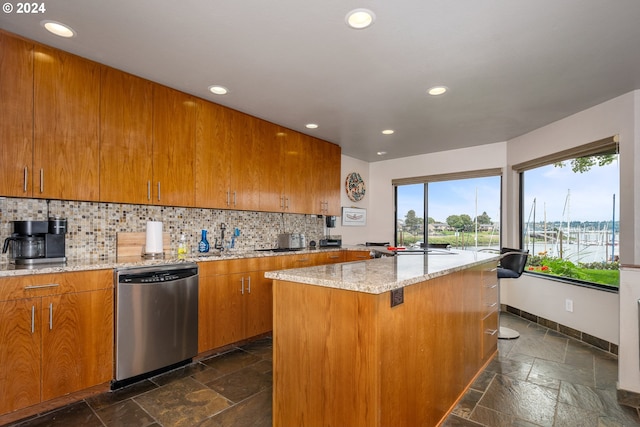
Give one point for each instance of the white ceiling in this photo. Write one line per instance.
(511, 65)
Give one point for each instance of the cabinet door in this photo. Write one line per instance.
(66, 121)
(126, 138)
(245, 162)
(174, 122)
(271, 141)
(77, 341)
(213, 156)
(300, 170)
(206, 313)
(19, 353)
(332, 182)
(326, 181)
(16, 110)
(228, 303)
(259, 300)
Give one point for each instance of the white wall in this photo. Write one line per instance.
(612, 317)
(353, 235)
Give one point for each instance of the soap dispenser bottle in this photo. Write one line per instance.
(203, 246)
(182, 247)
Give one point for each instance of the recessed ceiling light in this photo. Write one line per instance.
(311, 126)
(58, 29)
(218, 90)
(388, 131)
(381, 153)
(437, 90)
(360, 18)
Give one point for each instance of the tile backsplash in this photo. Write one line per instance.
(92, 226)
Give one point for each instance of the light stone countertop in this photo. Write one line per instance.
(106, 263)
(380, 275)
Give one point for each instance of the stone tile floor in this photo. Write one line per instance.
(540, 379)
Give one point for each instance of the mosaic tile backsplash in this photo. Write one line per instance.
(92, 226)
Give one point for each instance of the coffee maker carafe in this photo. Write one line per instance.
(37, 242)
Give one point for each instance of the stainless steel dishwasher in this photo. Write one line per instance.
(156, 319)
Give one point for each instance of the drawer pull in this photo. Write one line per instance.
(50, 285)
(492, 286)
(303, 260)
(50, 316)
(33, 319)
(491, 331)
(492, 305)
(334, 257)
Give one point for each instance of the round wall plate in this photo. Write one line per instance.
(354, 185)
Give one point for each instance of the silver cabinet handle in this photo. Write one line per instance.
(334, 257)
(33, 319)
(303, 260)
(286, 203)
(158, 190)
(228, 195)
(41, 180)
(26, 178)
(50, 316)
(48, 285)
(281, 202)
(234, 199)
(492, 286)
(148, 190)
(492, 305)
(249, 287)
(491, 331)
(242, 286)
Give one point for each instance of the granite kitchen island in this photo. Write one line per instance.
(385, 342)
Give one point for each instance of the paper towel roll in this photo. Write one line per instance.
(154, 237)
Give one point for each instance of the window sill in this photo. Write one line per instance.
(596, 286)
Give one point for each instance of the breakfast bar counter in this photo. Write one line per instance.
(385, 342)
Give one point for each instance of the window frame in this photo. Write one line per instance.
(609, 145)
(428, 179)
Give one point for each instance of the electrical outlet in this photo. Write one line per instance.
(397, 297)
(568, 305)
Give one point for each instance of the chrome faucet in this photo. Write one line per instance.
(220, 245)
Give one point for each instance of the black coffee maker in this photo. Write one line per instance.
(37, 242)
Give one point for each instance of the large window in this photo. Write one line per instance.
(569, 217)
(463, 213)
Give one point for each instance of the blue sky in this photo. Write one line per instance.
(591, 195)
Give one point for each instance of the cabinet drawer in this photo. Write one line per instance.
(357, 255)
(490, 299)
(489, 334)
(490, 276)
(38, 285)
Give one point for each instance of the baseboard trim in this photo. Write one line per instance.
(565, 330)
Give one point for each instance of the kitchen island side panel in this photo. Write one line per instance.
(326, 367)
(348, 358)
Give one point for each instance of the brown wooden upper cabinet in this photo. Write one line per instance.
(126, 138)
(66, 124)
(228, 162)
(16, 111)
(73, 129)
(174, 143)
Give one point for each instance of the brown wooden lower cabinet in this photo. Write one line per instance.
(348, 358)
(235, 299)
(56, 335)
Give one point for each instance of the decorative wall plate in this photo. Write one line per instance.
(355, 187)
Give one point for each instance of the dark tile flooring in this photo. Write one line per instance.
(540, 379)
